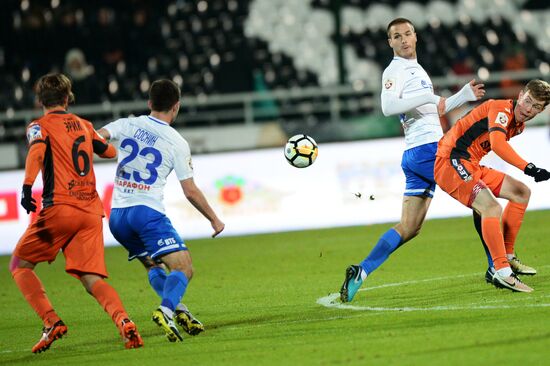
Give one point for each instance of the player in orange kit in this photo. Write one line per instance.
(62, 145)
(457, 171)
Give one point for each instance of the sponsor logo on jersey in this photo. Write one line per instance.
(167, 241)
(425, 84)
(461, 170)
(34, 132)
(190, 163)
(132, 185)
(502, 119)
(389, 84)
(73, 183)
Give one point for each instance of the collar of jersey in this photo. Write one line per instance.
(405, 59)
(157, 120)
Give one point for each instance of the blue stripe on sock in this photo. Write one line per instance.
(488, 254)
(387, 244)
(174, 289)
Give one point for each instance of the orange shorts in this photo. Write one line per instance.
(463, 180)
(78, 233)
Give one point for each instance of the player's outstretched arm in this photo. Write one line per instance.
(504, 150)
(392, 104)
(33, 164)
(104, 133)
(501, 147)
(197, 199)
(469, 93)
(102, 148)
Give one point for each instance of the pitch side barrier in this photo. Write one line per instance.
(259, 192)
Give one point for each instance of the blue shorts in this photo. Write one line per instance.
(418, 166)
(144, 232)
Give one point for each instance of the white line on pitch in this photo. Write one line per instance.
(331, 301)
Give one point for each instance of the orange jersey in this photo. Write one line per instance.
(487, 127)
(61, 145)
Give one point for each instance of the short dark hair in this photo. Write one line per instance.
(539, 89)
(398, 21)
(53, 89)
(164, 94)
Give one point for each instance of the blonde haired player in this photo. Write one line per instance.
(61, 145)
(488, 127)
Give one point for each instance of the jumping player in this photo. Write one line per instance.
(457, 171)
(149, 150)
(61, 145)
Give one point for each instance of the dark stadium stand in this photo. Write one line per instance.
(128, 43)
(113, 50)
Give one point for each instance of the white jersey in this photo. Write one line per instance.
(405, 79)
(149, 150)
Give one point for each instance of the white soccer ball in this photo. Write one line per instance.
(301, 151)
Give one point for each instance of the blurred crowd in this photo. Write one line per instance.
(112, 50)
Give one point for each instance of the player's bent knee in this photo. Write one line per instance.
(494, 209)
(187, 270)
(189, 273)
(16, 262)
(88, 280)
(409, 231)
(524, 193)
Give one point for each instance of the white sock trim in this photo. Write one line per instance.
(167, 311)
(363, 274)
(505, 272)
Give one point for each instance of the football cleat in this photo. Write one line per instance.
(520, 268)
(130, 334)
(489, 274)
(511, 282)
(167, 324)
(188, 322)
(49, 335)
(351, 284)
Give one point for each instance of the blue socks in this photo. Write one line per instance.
(174, 288)
(387, 244)
(157, 276)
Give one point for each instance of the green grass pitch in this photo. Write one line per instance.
(258, 298)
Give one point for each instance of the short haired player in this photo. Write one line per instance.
(149, 150)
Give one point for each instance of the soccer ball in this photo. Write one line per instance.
(301, 151)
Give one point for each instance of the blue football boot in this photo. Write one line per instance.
(351, 284)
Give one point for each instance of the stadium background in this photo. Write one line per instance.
(252, 74)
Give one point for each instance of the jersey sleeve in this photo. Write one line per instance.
(391, 96)
(500, 114)
(115, 128)
(183, 166)
(36, 133)
(102, 148)
(36, 139)
(465, 95)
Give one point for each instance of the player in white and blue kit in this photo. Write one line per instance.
(148, 152)
(407, 91)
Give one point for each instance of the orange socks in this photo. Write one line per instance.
(30, 286)
(512, 219)
(490, 227)
(108, 298)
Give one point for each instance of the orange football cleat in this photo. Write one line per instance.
(58, 330)
(130, 334)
